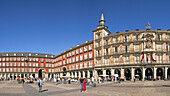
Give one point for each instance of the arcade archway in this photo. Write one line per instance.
(138, 73)
(127, 74)
(41, 73)
(149, 73)
(117, 71)
(159, 73)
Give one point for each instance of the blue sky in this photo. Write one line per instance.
(53, 26)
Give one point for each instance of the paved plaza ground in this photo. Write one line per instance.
(127, 88)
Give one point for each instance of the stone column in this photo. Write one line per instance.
(104, 72)
(155, 72)
(61, 74)
(83, 74)
(79, 74)
(72, 75)
(132, 74)
(54, 76)
(46, 75)
(75, 74)
(112, 71)
(88, 74)
(122, 72)
(13, 76)
(165, 73)
(5, 75)
(143, 74)
(36, 75)
(95, 75)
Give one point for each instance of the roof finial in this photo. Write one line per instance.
(102, 21)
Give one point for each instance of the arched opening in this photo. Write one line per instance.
(149, 74)
(117, 71)
(100, 72)
(108, 72)
(22, 75)
(41, 74)
(91, 74)
(64, 71)
(138, 74)
(168, 73)
(52, 76)
(86, 74)
(81, 74)
(33, 75)
(159, 74)
(15, 76)
(127, 74)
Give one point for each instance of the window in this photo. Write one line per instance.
(36, 64)
(64, 62)
(3, 64)
(73, 59)
(49, 70)
(52, 70)
(26, 69)
(7, 59)
(63, 56)
(77, 58)
(52, 65)
(81, 57)
(18, 59)
(3, 69)
(10, 69)
(10, 64)
(81, 49)
(70, 67)
(41, 59)
(22, 69)
(49, 65)
(85, 48)
(33, 69)
(33, 64)
(0, 64)
(77, 51)
(18, 69)
(90, 55)
(73, 67)
(7, 70)
(0, 69)
(7, 64)
(26, 64)
(10, 58)
(29, 64)
(85, 64)
(0, 59)
(14, 58)
(90, 46)
(41, 64)
(18, 64)
(77, 66)
(14, 69)
(90, 63)
(85, 56)
(46, 65)
(70, 60)
(29, 69)
(36, 59)
(81, 65)
(70, 54)
(3, 59)
(73, 52)
(33, 59)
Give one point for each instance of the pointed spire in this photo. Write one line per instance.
(102, 21)
(102, 17)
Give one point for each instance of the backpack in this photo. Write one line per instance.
(38, 83)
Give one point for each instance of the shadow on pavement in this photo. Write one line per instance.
(44, 90)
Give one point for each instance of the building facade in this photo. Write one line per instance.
(140, 53)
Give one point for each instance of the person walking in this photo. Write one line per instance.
(81, 84)
(92, 80)
(40, 83)
(84, 85)
(55, 80)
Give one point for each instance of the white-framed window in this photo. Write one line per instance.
(3, 59)
(77, 51)
(10, 64)
(77, 58)
(22, 69)
(10, 69)
(52, 70)
(0, 64)
(10, 58)
(70, 60)
(3, 69)
(22, 59)
(29, 64)
(0, 59)
(90, 55)
(77, 65)
(14, 58)
(3, 64)
(73, 67)
(7, 59)
(33, 69)
(64, 62)
(70, 54)
(85, 64)
(36, 64)
(26, 64)
(81, 49)
(67, 54)
(67, 61)
(29, 69)
(36, 59)
(18, 64)
(18, 69)
(26, 69)
(18, 59)
(73, 59)
(81, 65)
(90, 63)
(46, 65)
(14, 69)
(49, 70)
(81, 57)
(0, 69)
(7, 70)
(52, 65)
(85, 56)
(41, 64)
(69, 67)
(33, 64)
(33, 59)
(42, 60)
(7, 64)
(63, 56)
(85, 48)
(73, 53)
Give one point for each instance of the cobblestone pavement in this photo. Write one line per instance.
(128, 88)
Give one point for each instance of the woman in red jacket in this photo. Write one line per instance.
(84, 85)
